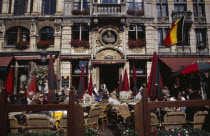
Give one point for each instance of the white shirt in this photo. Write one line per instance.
(138, 96)
(114, 101)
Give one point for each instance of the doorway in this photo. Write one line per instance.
(109, 75)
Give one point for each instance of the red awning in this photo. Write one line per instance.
(177, 63)
(108, 61)
(4, 61)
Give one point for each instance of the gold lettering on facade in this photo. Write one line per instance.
(137, 50)
(80, 50)
(105, 54)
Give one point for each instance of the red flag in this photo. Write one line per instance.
(32, 87)
(9, 82)
(51, 77)
(120, 84)
(125, 82)
(90, 86)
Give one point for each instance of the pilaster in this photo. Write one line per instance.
(57, 34)
(2, 34)
(192, 40)
(37, 7)
(66, 69)
(66, 39)
(59, 7)
(149, 65)
(12, 7)
(5, 7)
(170, 9)
(33, 35)
(28, 7)
(151, 37)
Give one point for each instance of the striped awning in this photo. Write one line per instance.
(5, 61)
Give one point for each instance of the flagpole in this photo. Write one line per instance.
(183, 35)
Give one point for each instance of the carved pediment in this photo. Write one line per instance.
(108, 54)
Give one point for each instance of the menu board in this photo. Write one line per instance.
(65, 81)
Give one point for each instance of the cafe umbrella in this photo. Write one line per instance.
(134, 80)
(81, 88)
(155, 85)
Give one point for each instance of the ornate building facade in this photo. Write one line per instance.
(106, 36)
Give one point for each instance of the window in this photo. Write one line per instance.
(48, 7)
(198, 8)
(47, 33)
(16, 34)
(80, 31)
(20, 7)
(108, 1)
(136, 32)
(0, 6)
(162, 32)
(82, 4)
(200, 36)
(162, 8)
(180, 5)
(135, 4)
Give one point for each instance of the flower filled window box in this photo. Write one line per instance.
(80, 12)
(134, 12)
(140, 43)
(21, 45)
(79, 43)
(43, 44)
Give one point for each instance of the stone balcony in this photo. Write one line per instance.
(179, 14)
(109, 9)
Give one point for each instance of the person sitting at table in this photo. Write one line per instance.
(138, 95)
(30, 97)
(10, 99)
(105, 95)
(113, 99)
(40, 97)
(95, 91)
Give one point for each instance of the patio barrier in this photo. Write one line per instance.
(142, 111)
(75, 119)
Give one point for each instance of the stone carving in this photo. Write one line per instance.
(80, 50)
(57, 23)
(109, 36)
(2, 28)
(108, 54)
(137, 50)
(33, 26)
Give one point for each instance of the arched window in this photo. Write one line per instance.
(47, 33)
(20, 7)
(48, 7)
(16, 34)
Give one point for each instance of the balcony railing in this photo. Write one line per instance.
(179, 14)
(109, 8)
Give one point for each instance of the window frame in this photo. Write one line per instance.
(48, 33)
(164, 32)
(135, 3)
(179, 3)
(137, 32)
(81, 30)
(85, 5)
(161, 4)
(20, 7)
(199, 12)
(201, 36)
(48, 7)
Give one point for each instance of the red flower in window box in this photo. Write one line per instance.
(80, 12)
(136, 43)
(21, 45)
(76, 43)
(134, 12)
(43, 44)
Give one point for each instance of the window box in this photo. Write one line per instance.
(79, 12)
(135, 12)
(140, 43)
(22, 45)
(43, 44)
(79, 43)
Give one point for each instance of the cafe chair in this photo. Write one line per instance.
(63, 123)
(38, 123)
(93, 115)
(105, 104)
(174, 120)
(14, 126)
(199, 119)
(123, 111)
(154, 121)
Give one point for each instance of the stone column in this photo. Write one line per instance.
(148, 8)
(151, 37)
(5, 7)
(57, 34)
(192, 40)
(66, 39)
(68, 7)
(149, 65)
(190, 8)
(33, 35)
(59, 7)
(12, 7)
(170, 9)
(37, 6)
(2, 34)
(66, 70)
(207, 5)
(208, 37)
(28, 8)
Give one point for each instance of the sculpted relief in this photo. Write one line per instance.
(108, 54)
(109, 36)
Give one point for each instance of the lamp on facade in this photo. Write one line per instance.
(43, 56)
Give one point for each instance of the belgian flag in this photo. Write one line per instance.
(175, 34)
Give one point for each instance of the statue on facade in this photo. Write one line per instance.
(109, 37)
(2, 28)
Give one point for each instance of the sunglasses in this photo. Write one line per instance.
(41, 96)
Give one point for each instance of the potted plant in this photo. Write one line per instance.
(91, 131)
(76, 43)
(140, 43)
(43, 44)
(76, 12)
(85, 12)
(21, 45)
